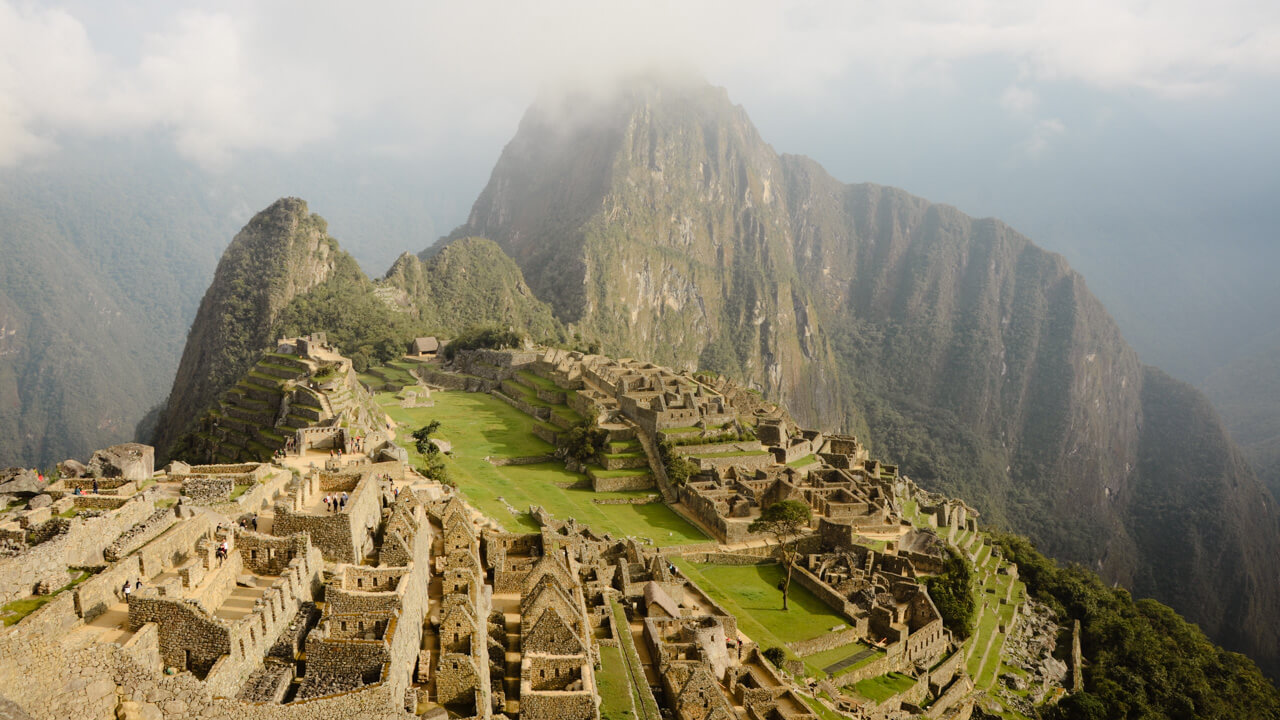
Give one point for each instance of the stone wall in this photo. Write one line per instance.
(344, 536)
(81, 545)
(97, 502)
(621, 484)
(746, 462)
(269, 554)
(822, 643)
(541, 413)
(830, 597)
(140, 534)
(557, 706)
(650, 499)
(724, 447)
(95, 595)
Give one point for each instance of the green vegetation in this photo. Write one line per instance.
(775, 655)
(881, 688)
(1143, 660)
(751, 594)
(679, 468)
(480, 426)
(827, 658)
(433, 464)
(474, 338)
(585, 441)
(471, 283)
(13, 612)
(952, 592)
(238, 490)
(617, 696)
(358, 322)
(641, 696)
(784, 520)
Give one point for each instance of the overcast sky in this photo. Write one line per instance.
(1079, 121)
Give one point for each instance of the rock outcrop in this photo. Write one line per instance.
(283, 252)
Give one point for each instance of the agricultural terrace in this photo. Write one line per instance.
(480, 426)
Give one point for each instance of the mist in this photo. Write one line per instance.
(1137, 140)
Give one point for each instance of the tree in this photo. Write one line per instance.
(422, 438)
(775, 655)
(784, 519)
(953, 593)
(584, 441)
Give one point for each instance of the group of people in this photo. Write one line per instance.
(128, 588)
(334, 502)
(249, 523)
(221, 552)
(357, 444)
(78, 491)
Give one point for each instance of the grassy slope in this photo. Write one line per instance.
(480, 426)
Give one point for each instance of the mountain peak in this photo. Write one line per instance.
(281, 253)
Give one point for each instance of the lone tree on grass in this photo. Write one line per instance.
(422, 438)
(784, 520)
(434, 467)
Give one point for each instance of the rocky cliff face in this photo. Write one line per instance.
(283, 252)
(659, 222)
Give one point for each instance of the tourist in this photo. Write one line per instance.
(137, 585)
(254, 522)
(95, 486)
(127, 590)
(326, 503)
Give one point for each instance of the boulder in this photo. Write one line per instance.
(40, 501)
(72, 469)
(131, 461)
(20, 481)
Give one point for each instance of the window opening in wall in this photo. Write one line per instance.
(344, 624)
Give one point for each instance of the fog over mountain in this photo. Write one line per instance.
(1138, 141)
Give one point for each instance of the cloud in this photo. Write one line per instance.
(1042, 136)
(241, 76)
(1018, 100)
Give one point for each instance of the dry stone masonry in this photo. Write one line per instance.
(235, 591)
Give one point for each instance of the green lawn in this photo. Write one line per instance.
(879, 689)
(480, 425)
(614, 685)
(827, 658)
(537, 381)
(751, 594)
(645, 703)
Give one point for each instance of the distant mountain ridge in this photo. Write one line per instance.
(659, 222)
